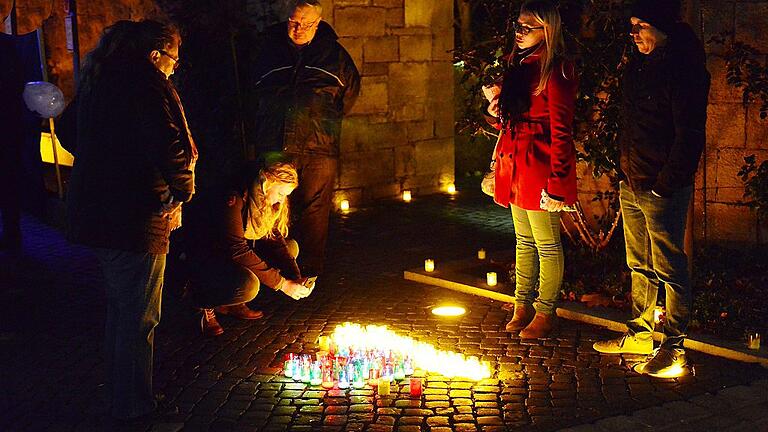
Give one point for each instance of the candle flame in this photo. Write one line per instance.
(425, 356)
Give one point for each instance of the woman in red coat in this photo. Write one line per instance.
(535, 160)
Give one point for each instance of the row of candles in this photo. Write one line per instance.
(407, 197)
(353, 370)
(491, 278)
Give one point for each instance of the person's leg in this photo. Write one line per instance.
(526, 271)
(666, 225)
(526, 258)
(134, 287)
(312, 201)
(545, 227)
(279, 255)
(639, 338)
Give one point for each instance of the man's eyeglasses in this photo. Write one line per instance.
(295, 25)
(524, 29)
(176, 61)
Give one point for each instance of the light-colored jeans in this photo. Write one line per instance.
(134, 288)
(654, 232)
(539, 258)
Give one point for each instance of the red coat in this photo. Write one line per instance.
(538, 153)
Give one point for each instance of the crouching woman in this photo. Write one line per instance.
(239, 242)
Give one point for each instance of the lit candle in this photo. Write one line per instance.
(491, 278)
(384, 386)
(429, 265)
(407, 196)
(344, 205)
(415, 387)
(451, 188)
(325, 343)
(753, 341)
(481, 254)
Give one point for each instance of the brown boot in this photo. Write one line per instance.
(522, 316)
(540, 327)
(209, 325)
(240, 311)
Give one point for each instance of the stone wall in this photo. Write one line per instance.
(400, 133)
(734, 130)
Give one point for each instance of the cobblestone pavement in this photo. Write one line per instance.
(51, 329)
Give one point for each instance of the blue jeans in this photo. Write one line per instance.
(654, 233)
(539, 259)
(134, 288)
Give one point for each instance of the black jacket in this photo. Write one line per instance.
(132, 148)
(300, 94)
(664, 114)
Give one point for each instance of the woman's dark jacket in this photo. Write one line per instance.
(300, 94)
(664, 114)
(217, 233)
(132, 148)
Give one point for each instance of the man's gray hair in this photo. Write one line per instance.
(313, 3)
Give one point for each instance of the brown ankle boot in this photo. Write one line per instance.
(240, 311)
(540, 327)
(521, 317)
(209, 325)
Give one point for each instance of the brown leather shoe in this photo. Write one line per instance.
(209, 325)
(240, 311)
(540, 327)
(523, 315)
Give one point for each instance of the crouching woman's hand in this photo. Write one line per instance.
(295, 290)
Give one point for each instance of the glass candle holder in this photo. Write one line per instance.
(481, 254)
(344, 205)
(451, 188)
(407, 196)
(415, 387)
(491, 279)
(753, 340)
(384, 386)
(429, 265)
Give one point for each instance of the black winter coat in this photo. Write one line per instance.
(132, 148)
(664, 114)
(300, 94)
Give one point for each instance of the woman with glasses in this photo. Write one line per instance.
(535, 160)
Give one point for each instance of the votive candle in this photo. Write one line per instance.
(753, 341)
(481, 254)
(429, 265)
(415, 387)
(344, 205)
(384, 386)
(406, 195)
(491, 279)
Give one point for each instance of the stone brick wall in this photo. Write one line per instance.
(733, 129)
(400, 133)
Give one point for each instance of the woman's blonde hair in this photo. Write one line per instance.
(261, 219)
(547, 15)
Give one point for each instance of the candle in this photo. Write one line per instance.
(753, 341)
(325, 343)
(481, 254)
(288, 366)
(344, 205)
(429, 265)
(384, 386)
(415, 387)
(451, 188)
(407, 196)
(491, 278)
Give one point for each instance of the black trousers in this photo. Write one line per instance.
(311, 205)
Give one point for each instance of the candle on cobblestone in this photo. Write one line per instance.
(316, 374)
(344, 206)
(325, 343)
(481, 254)
(753, 341)
(343, 380)
(407, 196)
(288, 366)
(491, 279)
(415, 387)
(384, 386)
(429, 265)
(451, 188)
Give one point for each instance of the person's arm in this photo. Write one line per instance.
(561, 93)
(163, 138)
(351, 81)
(688, 96)
(238, 249)
(285, 256)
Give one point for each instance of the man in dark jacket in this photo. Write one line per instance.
(664, 110)
(134, 166)
(304, 83)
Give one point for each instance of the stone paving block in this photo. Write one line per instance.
(621, 424)
(743, 395)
